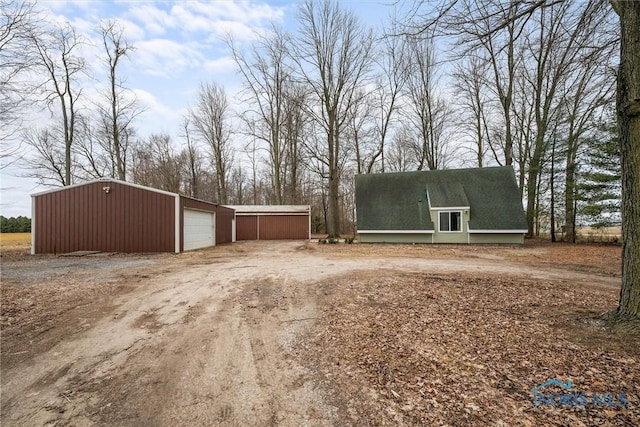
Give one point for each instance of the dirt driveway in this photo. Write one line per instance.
(212, 337)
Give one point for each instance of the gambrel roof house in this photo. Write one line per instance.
(478, 205)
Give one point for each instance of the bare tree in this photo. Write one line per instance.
(266, 78)
(493, 27)
(333, 52)
(121, 106)
(359, 132)
(94, 162)
(471, 86)
(399, 155)
(211, 124)
(157, 165)
(237, 185)
(586, 93)
(17, 22)
(295, 129)
(251, 150)
(553, 47)
(47, 164)
(429, 113)
(390, 81)
(524, 129)
(56, 51)
(193, 161)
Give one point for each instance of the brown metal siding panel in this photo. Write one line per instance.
(284, 227)
(201, 205)
(127, 219)
(246, 227)
(224, 226)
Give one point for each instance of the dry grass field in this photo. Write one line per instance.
(14, 245)
(10, 240)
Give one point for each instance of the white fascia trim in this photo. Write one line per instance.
(498, 231)
(233, 228)
(178, 232)
(33, 225)
(272, 214)
(395, 231)
(199, 210)
(105, 180)
(454, 208)
(215, 228)
(254, 209)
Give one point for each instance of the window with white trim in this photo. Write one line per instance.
(450, 221)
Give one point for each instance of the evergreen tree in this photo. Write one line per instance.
(600, 190)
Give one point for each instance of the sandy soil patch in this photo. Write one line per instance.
(288, 333)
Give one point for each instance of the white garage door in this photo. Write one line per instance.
(199, 229)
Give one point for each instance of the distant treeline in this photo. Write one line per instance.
(21, 224)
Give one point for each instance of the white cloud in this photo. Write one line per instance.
(132, 31)
(153, 19)
(167, 58)
(157, 116)
(237, 30)
(238, 11)
(222, 65)
(189, 21)
(218, 17)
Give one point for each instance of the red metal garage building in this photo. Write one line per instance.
(117, 216)
(263, 222)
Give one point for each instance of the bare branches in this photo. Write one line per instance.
(267, 80)
(17, 22)
(211, 125)
(48, 164)
(333, 55)
(452, 18)
(56, 53)
(121, 106)
(429, 112)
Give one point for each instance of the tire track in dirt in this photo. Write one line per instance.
(140, 319)
(209, 342)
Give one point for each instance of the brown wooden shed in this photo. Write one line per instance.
(116, 216)
(272, 222)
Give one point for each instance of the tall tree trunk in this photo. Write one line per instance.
(570, 194)
(67, 143)
(628, 109)
(532, 186)
(553, 193)
(333, 225)
(333, 221)
(115, 134)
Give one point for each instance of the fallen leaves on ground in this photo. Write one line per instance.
(419, 349)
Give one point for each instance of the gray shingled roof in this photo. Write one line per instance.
(397, 201)
(447, 194)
